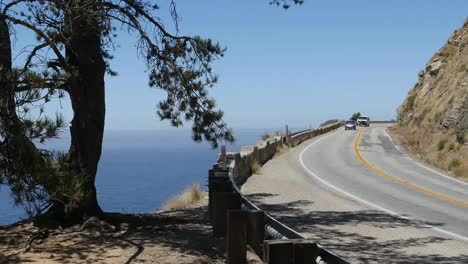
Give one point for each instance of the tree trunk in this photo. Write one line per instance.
(19, 157)
(87, 66)
(20, 148)
(6, 96)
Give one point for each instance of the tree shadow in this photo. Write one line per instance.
(179, 236)
(336, 231)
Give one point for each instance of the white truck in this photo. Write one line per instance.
(363, 121)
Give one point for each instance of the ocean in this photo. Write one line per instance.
(140, 170)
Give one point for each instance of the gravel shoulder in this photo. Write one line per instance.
(356, 232)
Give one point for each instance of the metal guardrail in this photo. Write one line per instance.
(274, 229)
(383, 122)
(379, 121)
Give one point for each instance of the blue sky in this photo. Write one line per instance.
(321, 60)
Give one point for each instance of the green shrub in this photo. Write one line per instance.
(441, 144)
(255, 167)
(454, 163)
(451, 146)
(411, 99)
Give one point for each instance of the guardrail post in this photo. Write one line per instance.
(305, 251)
(223, 201)
(218, 181)
(223, 157)
(256, 230)
(278, 251)
(236, 237)
(290, 251)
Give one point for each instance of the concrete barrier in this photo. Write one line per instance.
(298, 138)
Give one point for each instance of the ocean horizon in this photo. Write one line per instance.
(140, 170)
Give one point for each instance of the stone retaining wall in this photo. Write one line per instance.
(240, 163)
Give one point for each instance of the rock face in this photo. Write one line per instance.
(433, 119)
(439, 100)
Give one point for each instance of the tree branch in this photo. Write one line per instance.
(40, 33)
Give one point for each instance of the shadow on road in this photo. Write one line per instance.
(336, 230)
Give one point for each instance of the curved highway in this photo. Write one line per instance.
(362, 197)
(367, 166)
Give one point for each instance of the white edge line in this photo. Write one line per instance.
(423, 166)
(367, 202)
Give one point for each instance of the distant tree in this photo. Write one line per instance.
(72, 54)
(355, 116)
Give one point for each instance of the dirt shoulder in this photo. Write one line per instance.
(353, 231)
(178, 236)
(440, 150)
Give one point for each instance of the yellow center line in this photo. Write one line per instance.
(405, 183)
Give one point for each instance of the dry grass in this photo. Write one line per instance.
(448, 51)
(280, 150)
(439, 150)
(454, 163)
(329, 122)
(191, 196)
(255, 167)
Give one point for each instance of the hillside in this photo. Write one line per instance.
(433, 119)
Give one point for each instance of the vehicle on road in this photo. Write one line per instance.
(351, 124)
(363, 121)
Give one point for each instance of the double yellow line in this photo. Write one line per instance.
(388, 176)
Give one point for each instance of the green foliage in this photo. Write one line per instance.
(184, 73)
(411, 100)
(441, 144)
(451, 146)
(454, 163)
(179, 65)
(355, 116)
(255, 167)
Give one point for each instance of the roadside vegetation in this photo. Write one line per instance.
(255, 167)
(355, 116)
(439, 150)
(190, 197)
(280, 150)
(329, 122)
(433, 119)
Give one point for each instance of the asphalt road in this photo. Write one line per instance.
(366, 166)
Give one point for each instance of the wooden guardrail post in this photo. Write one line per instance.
(236, 237)
(256, 230)
(278, 251)
(218, 181)
(223, 201)
(223, 157)
(305, 252)
(290, 251)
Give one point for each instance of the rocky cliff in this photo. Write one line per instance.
(433, 119)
